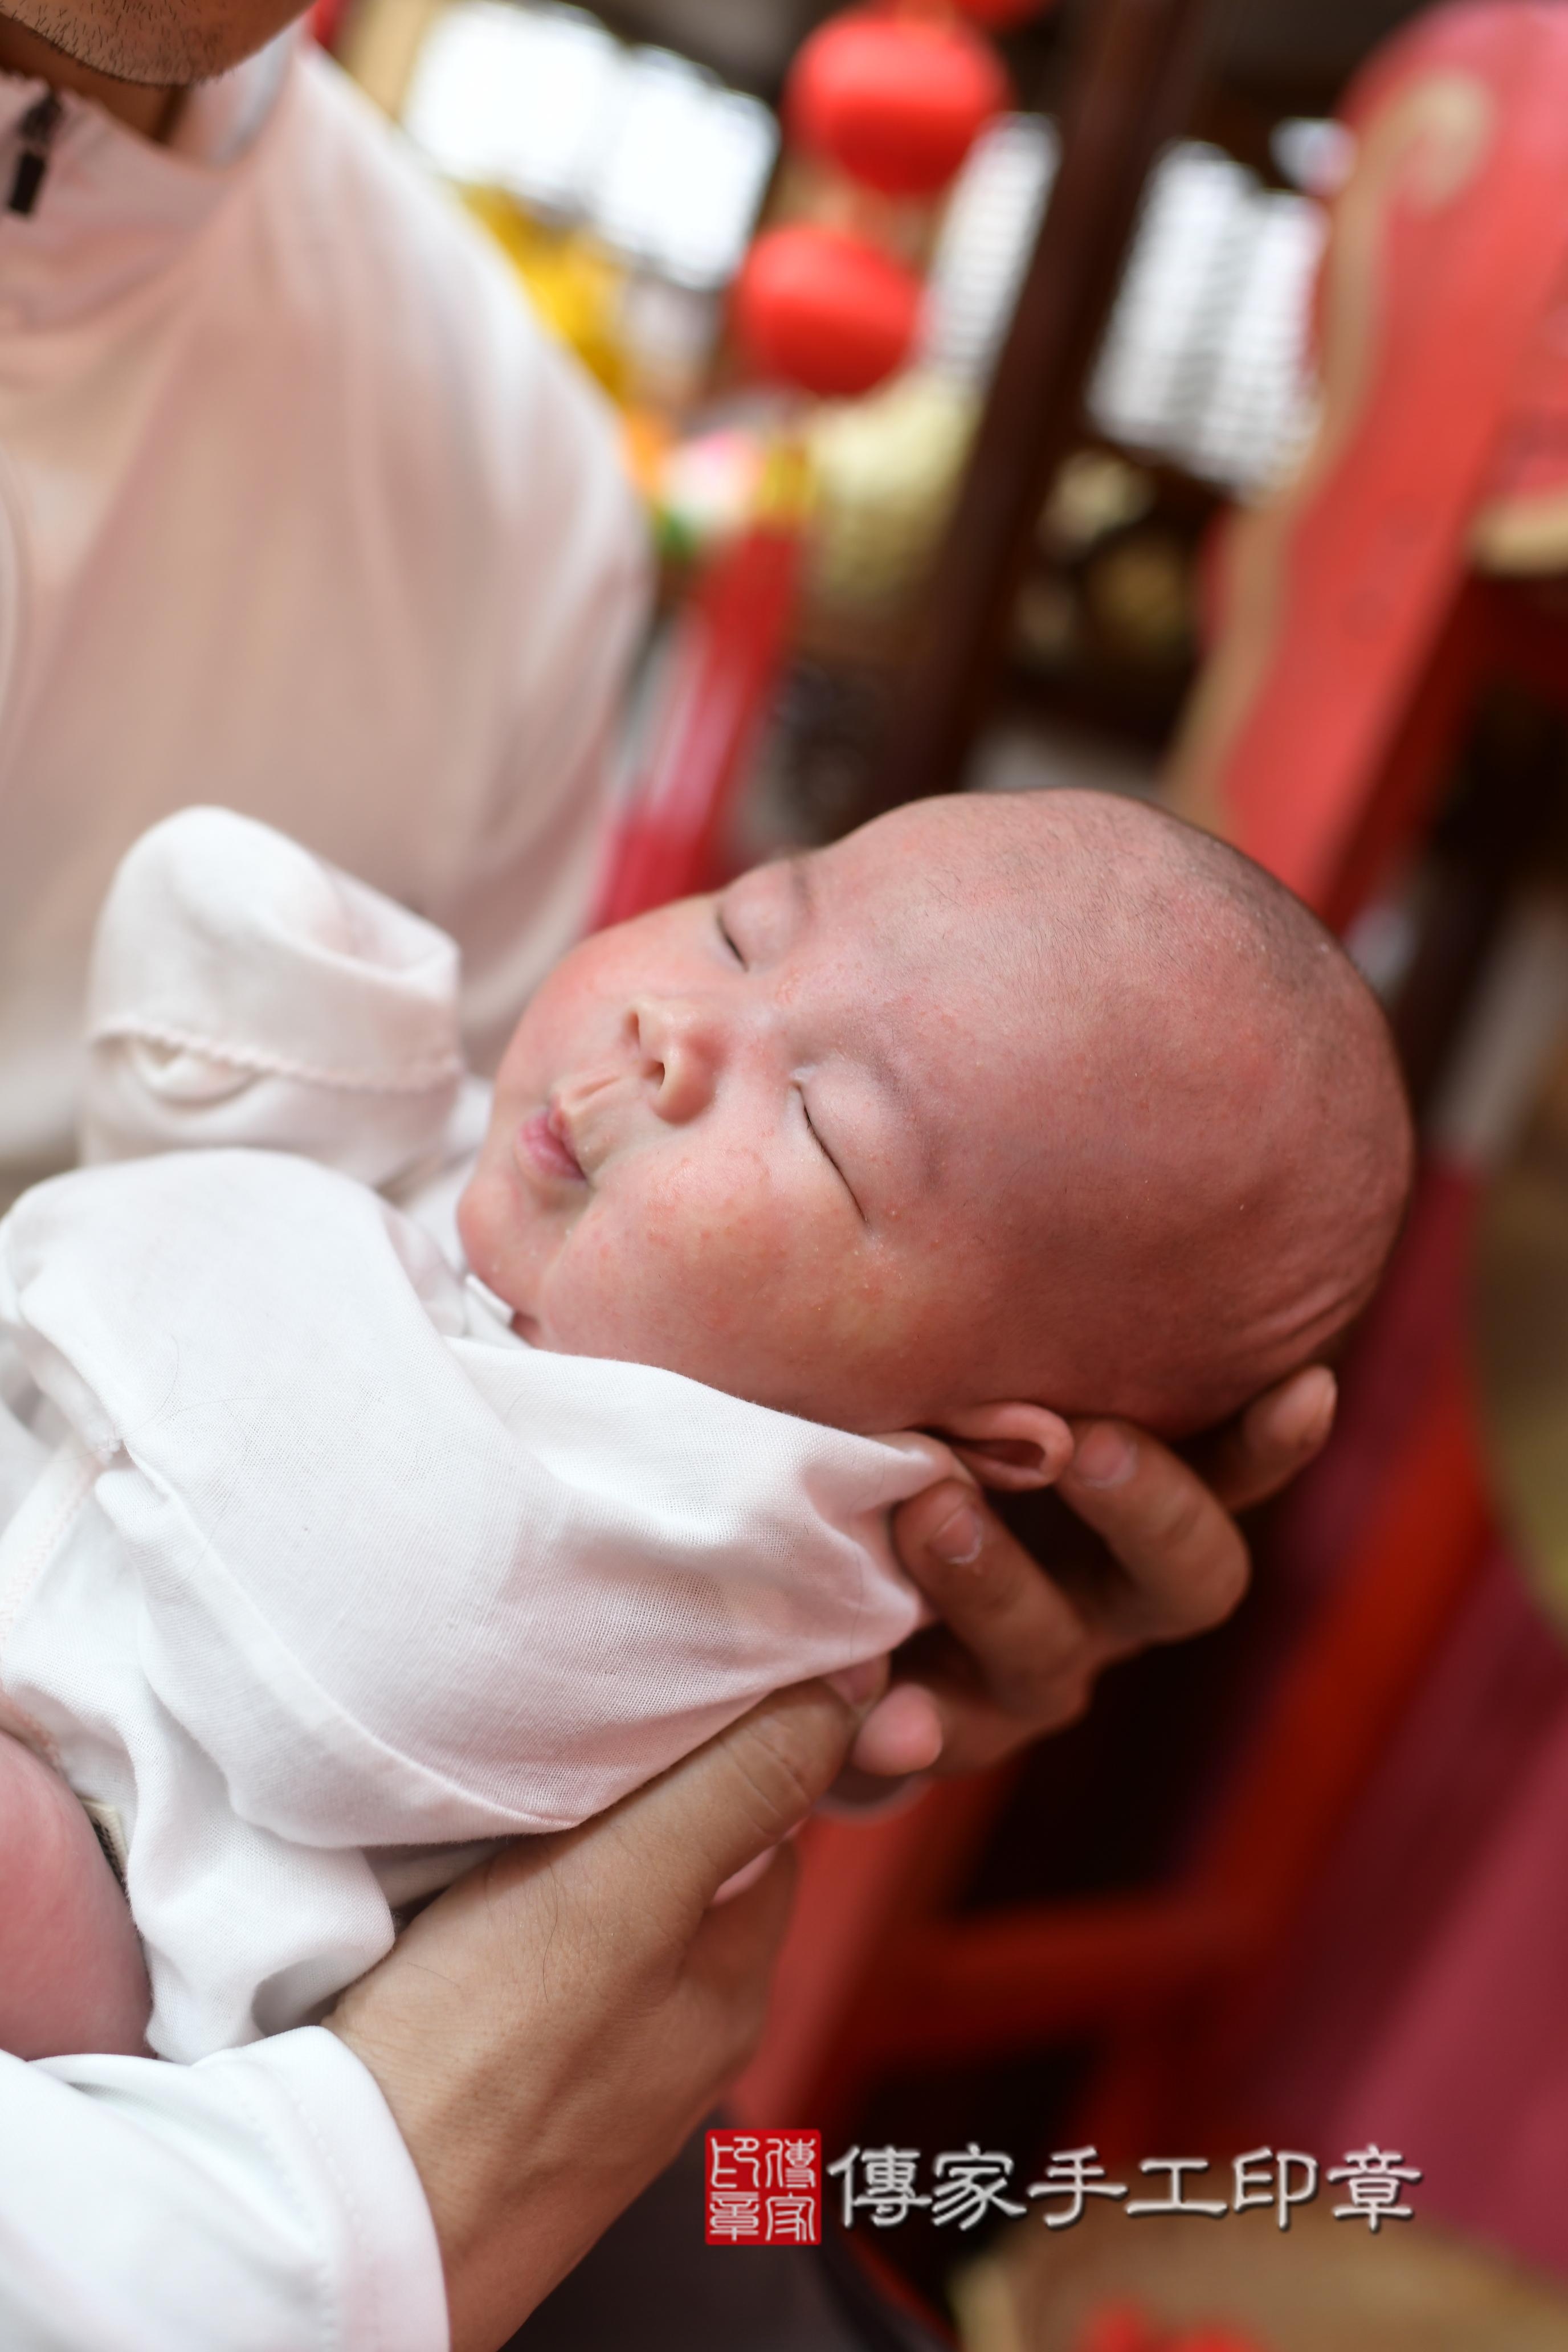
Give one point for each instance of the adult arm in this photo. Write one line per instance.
(1019, 1647)
(548, 2034)
(533, 2053)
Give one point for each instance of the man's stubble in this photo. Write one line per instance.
(166, 43)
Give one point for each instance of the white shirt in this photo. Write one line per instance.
(299, 513)
(296, 510)
(312, 1569)
(262, 2202)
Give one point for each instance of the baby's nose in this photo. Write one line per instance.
(679, 1048)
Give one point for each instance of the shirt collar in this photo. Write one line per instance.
(115, 209)
(220, 120)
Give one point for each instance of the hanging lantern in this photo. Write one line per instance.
(895, 101)
(826, 310)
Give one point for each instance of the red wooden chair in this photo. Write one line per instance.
(1363, 605)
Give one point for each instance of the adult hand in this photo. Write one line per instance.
(1019, 1648)
(548, 2033)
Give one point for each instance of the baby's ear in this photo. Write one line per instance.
(1014, 1446)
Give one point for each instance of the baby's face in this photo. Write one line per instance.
(754, 1137)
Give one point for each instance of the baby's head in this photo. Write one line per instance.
(1001, 1107)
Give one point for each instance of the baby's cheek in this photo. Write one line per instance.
(864, 1319)
(697, 1266)
(783, 1301)
(722, 1236)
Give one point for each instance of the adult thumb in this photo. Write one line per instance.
(718, 1810)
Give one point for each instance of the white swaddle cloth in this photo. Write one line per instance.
(243, 992)
(313, 1569)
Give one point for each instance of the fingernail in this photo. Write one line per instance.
(855, 1685)
(1313, 1401)
(1105, 1457)
(959, 1539)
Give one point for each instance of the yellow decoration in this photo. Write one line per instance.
(886, 470)
(574, 286)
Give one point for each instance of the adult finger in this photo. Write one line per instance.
(1018, 1628)
(950, 1725)
(1277, 1435)
(729, 1964)
(1013, 1644)
(1182, 1560)
(903, 1737)
(717, 1811)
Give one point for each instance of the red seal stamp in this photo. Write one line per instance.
(764, 2189)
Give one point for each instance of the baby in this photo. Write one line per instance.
(327, 1553)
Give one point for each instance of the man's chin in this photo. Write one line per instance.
(153, 44)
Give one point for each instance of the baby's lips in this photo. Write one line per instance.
(544, 1145)
(559, 1126)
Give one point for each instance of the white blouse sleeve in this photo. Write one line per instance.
(243, 992)
(260, 2201)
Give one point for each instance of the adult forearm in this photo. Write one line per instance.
(549, 2032)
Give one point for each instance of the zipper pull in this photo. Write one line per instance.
(36, 133)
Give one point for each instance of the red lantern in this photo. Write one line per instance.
(896, 101)
(825, 312)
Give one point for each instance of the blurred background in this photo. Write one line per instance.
(1174, 399)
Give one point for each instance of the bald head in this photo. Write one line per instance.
(1211, 1145)
(997, 1109)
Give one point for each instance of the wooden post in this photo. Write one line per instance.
(1130, 88)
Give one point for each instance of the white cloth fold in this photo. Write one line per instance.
(242, 992)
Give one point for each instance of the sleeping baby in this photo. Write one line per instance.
(340, 1535)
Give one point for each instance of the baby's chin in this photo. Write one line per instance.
(482, 1215)
(470, 1218)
